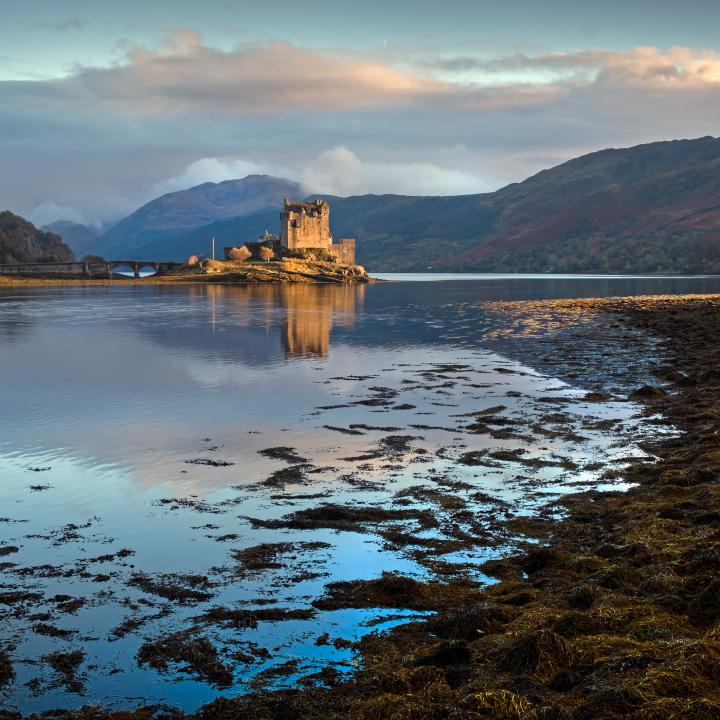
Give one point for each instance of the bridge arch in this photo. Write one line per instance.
(135, 266)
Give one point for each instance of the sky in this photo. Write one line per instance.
(105, 105)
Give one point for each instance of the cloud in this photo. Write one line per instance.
(48, 212)
(645, 66)
(186, 75)
(337, 171)
(678, 67)
(73, 23)
(210, 169)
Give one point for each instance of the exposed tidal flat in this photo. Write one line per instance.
(367, 501)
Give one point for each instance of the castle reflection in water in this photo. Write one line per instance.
(305, 314)
(311, 313)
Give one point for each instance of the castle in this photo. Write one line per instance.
(305, 226)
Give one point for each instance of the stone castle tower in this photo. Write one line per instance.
(305, 225)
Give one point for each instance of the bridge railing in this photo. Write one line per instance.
(80, 268)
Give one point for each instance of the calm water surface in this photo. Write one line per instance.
(112, 396)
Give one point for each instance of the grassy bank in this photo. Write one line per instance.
(613, 614)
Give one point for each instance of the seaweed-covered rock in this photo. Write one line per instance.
(444, 652)
(395, 591)
(469, 623)
(194, 654)
(539, 652)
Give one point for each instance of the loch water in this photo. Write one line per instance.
(151, 434)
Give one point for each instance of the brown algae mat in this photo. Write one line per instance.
(615, 613)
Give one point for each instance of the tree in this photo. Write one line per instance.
(239, 254)
(266, 253)
(193, 261)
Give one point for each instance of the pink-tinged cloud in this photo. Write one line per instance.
(646, 66)
(256, 78)
(186, 76)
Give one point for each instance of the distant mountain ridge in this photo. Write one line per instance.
(649, 208)
(22, 242)
(79, 237)
(177, 212)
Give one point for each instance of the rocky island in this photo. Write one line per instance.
(280, 270)
(304, 251)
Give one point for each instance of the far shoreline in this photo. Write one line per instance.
(285, 272)
(322, 278)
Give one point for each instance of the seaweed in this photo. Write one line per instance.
(392, 590)
(211, 462)
(286, 454)
(265, 556)
(344, 431)
(194, 655)
(243, 618)
(43, 628)
(178, 588)
(346, 517)
(66, 665)
(7, 673)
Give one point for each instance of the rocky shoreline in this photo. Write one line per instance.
(613, 612)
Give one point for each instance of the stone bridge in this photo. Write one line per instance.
(84, 268)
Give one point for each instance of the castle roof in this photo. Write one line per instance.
(304, 206)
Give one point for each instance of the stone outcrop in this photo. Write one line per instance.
(22, 242)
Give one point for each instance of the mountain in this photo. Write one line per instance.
(653, 207)
(21, 242)
(178, 212)
(78, 237)
(649, 208)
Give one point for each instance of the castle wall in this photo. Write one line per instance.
(344, 251)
